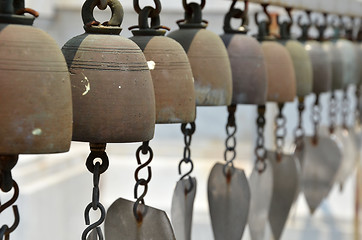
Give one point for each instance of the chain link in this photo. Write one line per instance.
(333, 109)
(188, 132)
(260, 151)
(5, 230)
(230, 142)
(345, 109)
(316, 118)
(280, 132)
(97, 163)
(144, 149)
(299, 132)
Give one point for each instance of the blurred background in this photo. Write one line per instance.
(55, 189)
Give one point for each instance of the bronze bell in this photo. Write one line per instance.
(170, 69)
(349, 62)
(35, 99)
(247, 62)
(280, 69)
(208, 58)
(301, 61)
(113, 96)
(334, 57)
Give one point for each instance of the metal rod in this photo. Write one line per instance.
(348, 8)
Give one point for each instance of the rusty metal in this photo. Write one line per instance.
(40, 120)
(208, 58)
(121, 224)
(170, 70)
(182, 208)
(229, 202)
(113, 96)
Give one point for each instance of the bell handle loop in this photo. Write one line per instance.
(237, 14)
(155, 11)
(187, 6)
(91, 25)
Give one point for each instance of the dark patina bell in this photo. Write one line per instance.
(35, 99)
(113, 97)
(208, 58)
(247, 62)
(170, 69)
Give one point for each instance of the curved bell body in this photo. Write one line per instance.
(113, 96)
(35, 99)
(248, 67)
(349, 62)
(210, 65)
(359, 61)
(334, 57)
(281, 74)
(172, 78)
(302, 67)
(322, 67)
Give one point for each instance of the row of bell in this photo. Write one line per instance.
(118, 88)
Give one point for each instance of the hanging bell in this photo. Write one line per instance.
(170, 68)
(301, 61)
(279, 64)
(113, 96)
(247, 61)
(35, 99)
(208, 57)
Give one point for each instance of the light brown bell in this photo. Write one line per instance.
(302, 67)
(171, 72)
(281, 74)
(208, 58)
(248, 69)
(334, 56)
(113, 96)
(322, 67)
(349, 62)
(35, 99)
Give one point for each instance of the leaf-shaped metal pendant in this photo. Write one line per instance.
(261, 186)
(285, 188)
(321, 164)
(349, 155)
(229, 202)
(182, 208)
(121, 223)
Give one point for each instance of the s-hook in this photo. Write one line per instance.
(5, 230)
(230, 143)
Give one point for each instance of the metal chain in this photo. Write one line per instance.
(333, 109)
(280, 132)
(299, 132)
(230, 142)
(316, 118)
(345, 109)
(358, 105)
(5, 230)
(144, 149)
(97, 163)
(260, 151)
(188, 132)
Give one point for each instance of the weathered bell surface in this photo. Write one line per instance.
(171, 73)
(302, 66)
(334, 56)
(35, 99)
(247, 60)
(208, 58)
(281, 73)
(322, 67)
(349, 62)
(113, 96)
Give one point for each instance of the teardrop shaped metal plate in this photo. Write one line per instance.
(121, 224)
(349, 155)
(182, 208)
(229, 202)
(321, 164)
(261, 186)
(285, 187)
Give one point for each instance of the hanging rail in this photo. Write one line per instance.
(348, 8)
